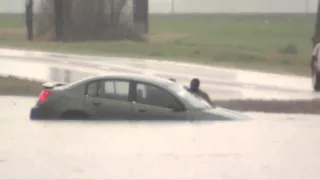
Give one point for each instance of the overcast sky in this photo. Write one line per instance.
(206, 5)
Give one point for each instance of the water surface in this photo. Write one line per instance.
(277, 147)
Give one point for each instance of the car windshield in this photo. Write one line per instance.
(193, 100)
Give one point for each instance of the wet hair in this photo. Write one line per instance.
(196, 81)
(194, 84)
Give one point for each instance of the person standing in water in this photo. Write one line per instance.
(195, 89)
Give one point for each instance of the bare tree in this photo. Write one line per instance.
(29, 19)
(59, 11)
(316, 36)
(87, 20)
(44, 20)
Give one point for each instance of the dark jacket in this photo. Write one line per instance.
(203, 95)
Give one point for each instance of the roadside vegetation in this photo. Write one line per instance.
(276, 43)
(13, 86)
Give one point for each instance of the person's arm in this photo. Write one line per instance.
(210, 101)
(207, 98)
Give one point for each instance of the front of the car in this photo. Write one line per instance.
(199, 109)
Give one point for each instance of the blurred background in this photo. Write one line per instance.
(213, 6)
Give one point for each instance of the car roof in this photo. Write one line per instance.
(134, 77)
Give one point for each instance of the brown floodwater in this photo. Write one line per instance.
(276, 146)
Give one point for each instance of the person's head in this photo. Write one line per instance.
(171, 79)
(194, 84)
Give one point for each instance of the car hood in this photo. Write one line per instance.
(218, 113)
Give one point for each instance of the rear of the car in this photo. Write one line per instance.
(45, 107)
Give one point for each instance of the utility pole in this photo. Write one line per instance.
(146, 15)
(58, 15)
(172, 6)
(307, 6)
(29, 19)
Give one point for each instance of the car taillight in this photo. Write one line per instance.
(44, 95)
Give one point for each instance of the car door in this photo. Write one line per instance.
(109, 99)
(155, 103)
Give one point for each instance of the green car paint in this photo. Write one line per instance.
(83, 99)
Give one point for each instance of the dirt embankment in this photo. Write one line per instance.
(19, 87)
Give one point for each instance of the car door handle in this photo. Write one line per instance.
(96, 103)
(142, 110)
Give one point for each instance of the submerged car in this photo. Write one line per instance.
(125, 97)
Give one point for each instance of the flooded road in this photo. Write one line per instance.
(270, 147)
(220, 83)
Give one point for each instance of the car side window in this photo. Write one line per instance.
(122, 88)
(92, 89)
(152, 95)
(108, 87)
(115, 90)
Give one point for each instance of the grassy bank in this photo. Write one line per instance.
(19, 87)
(278, 43)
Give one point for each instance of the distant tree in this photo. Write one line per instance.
(80, 20)
(316, 36)
(29, 19)
(141, 14)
